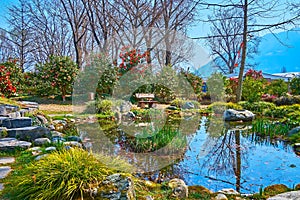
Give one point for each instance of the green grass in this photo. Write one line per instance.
(264, 128)
(61, 175)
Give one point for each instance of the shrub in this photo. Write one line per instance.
(277, 88)
(6, 87)
(180, 102)
(219, 107)
(60, 175)
(104, 106)
(252, 89)
(287, 100)
(216, 86)
(295, 86)
(257, 107)
(57, 76)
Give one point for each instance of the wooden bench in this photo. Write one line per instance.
(145, 99)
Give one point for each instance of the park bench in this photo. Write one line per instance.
(145, 99)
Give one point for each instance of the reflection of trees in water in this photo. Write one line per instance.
(224, 156)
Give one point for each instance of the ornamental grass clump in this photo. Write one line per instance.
(65, 174)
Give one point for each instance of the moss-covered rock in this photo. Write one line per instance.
(275, 189)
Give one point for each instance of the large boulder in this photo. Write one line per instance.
(179, 188)
(29, 133)
(294, 131)
(115, 187)
(238, 115)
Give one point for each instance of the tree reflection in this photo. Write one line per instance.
(224, 156)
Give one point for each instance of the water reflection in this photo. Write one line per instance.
(215, 155)
(237, 158)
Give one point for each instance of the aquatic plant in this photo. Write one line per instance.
(265, 127)
(151, 141)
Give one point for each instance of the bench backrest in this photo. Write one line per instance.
(144, 95)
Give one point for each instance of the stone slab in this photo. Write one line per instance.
(29, 133)
(294, 195)
(7, 160)
(7, 144)
(16, 122)
(4, 171)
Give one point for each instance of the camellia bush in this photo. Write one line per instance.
(57, 76)
(6, 87)
(11, 78)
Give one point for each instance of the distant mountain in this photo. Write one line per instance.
(277, 52)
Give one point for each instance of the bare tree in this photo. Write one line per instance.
(19, 33)
(75, 15)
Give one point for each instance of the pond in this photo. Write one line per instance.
(214, 157)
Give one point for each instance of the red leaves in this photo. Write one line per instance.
(254, 74)
(130, 59)
(6, 86)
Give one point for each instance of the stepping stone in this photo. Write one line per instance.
(16, 122)
(29, 104)
(4, 171)
(8, 144)
(29, 133)
(7, 160)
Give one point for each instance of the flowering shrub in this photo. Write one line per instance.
(254, 74)
(6, 87)
(130, 59)
(295, 86)
(57, 76)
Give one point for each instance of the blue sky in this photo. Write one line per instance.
(3, 10)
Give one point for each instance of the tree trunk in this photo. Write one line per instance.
(244, 48)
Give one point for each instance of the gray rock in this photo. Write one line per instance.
(41, 156)
(7, 160)
(125, 107)
(149, 198)
(29, 133)
(188, 105)
(29, 104)
(221, 196)
(130, 115)
(4, 171)
(73, 144)
(8, 144)
(228, 191)
(74, 138)
(294, 195)
(16, 114)
(179, 188)
(34, 149)
(172, 108)
(48, 149)
(238, 115)
(58, 139)
(41, 141)
(11, 108)
(294, 131)
(56, 134)
(118, 187)
(3, 110)
(42, 119)
(17, 122)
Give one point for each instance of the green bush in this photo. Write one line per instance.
(56, 76)
(252, 89)
(282, 111)
(277, 87)
(60, 175)
(257, 107)
(219, 107)
(104, 106)
(180, 102)
(295, 86)
(287, 100)
(216, 86)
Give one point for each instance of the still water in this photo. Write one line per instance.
(232, 158)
